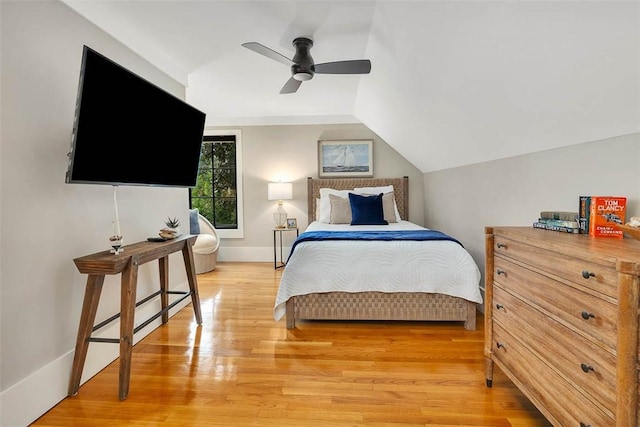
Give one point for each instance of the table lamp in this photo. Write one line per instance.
(280, 191)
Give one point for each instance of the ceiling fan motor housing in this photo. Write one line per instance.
(302, 69)
(302, 66)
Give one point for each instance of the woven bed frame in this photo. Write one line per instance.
(375, 305)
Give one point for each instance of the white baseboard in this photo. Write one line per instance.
(27, 400)
(24, 402)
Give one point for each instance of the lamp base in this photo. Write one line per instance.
(280, 217)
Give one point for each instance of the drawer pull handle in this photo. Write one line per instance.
(499, 306)
(501, 245)
(584, 425)
(586, 368)
(500, 345)
(586, 315)
(499, 271)
(586, 274)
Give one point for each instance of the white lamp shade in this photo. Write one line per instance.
(280, 191)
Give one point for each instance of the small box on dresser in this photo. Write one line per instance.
(561, 321)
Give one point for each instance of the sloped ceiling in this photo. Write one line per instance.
(452, 82)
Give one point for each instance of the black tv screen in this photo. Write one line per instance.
(128, 131)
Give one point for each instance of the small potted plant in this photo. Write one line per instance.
(171, 231)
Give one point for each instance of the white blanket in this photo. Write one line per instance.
(442, 267)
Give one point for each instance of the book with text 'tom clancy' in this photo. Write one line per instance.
(606, 212)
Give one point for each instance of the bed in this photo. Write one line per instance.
(371, 279)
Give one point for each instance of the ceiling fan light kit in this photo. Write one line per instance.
(302, 66)
(303, 76)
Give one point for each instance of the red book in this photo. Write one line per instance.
(606, 213)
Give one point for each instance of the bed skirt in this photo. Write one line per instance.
(380, 306)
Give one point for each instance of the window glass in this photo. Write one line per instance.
(217, 194)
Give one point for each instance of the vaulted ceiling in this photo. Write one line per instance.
(452, 82)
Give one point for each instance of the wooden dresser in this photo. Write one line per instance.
(561, 320)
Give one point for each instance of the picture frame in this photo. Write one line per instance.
(292, 223)
(345, 158)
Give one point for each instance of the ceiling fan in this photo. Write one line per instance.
(302, 66)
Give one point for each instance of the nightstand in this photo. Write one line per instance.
(279, 232)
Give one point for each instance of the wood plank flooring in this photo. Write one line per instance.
(242, 368)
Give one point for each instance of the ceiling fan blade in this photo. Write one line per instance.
(269, 53)
(359, 66)
(291, 86)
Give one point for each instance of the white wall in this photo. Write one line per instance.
(45, 223)
(289, 153)
(462, 201)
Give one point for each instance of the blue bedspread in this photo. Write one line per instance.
(372, 235)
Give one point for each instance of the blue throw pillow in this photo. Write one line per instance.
(194, 225)
(366, 210)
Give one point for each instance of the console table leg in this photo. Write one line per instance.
(127, 311)
(163, 264)
(87, 317)
(187, 254)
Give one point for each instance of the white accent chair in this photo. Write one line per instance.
(205, 250)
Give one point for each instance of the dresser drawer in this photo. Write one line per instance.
(587, 314)
(556, 397)
(591, 275)
(573, 357)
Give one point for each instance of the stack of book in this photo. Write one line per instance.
(600, 216)
(563, 221)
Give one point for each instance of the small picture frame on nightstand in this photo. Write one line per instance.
(292, 223)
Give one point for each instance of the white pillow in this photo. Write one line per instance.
(325, 203)
(378, 190)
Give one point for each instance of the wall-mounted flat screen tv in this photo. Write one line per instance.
(128, 131)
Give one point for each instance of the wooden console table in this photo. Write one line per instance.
(126, 263)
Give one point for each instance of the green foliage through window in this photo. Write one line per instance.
(215, 194)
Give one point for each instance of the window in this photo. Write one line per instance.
(218, 191)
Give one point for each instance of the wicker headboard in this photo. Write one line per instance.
(400, 189)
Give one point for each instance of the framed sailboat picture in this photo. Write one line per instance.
(345, 158)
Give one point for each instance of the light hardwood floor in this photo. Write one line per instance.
(242, 368)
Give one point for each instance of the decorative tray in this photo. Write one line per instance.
(630, 231)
